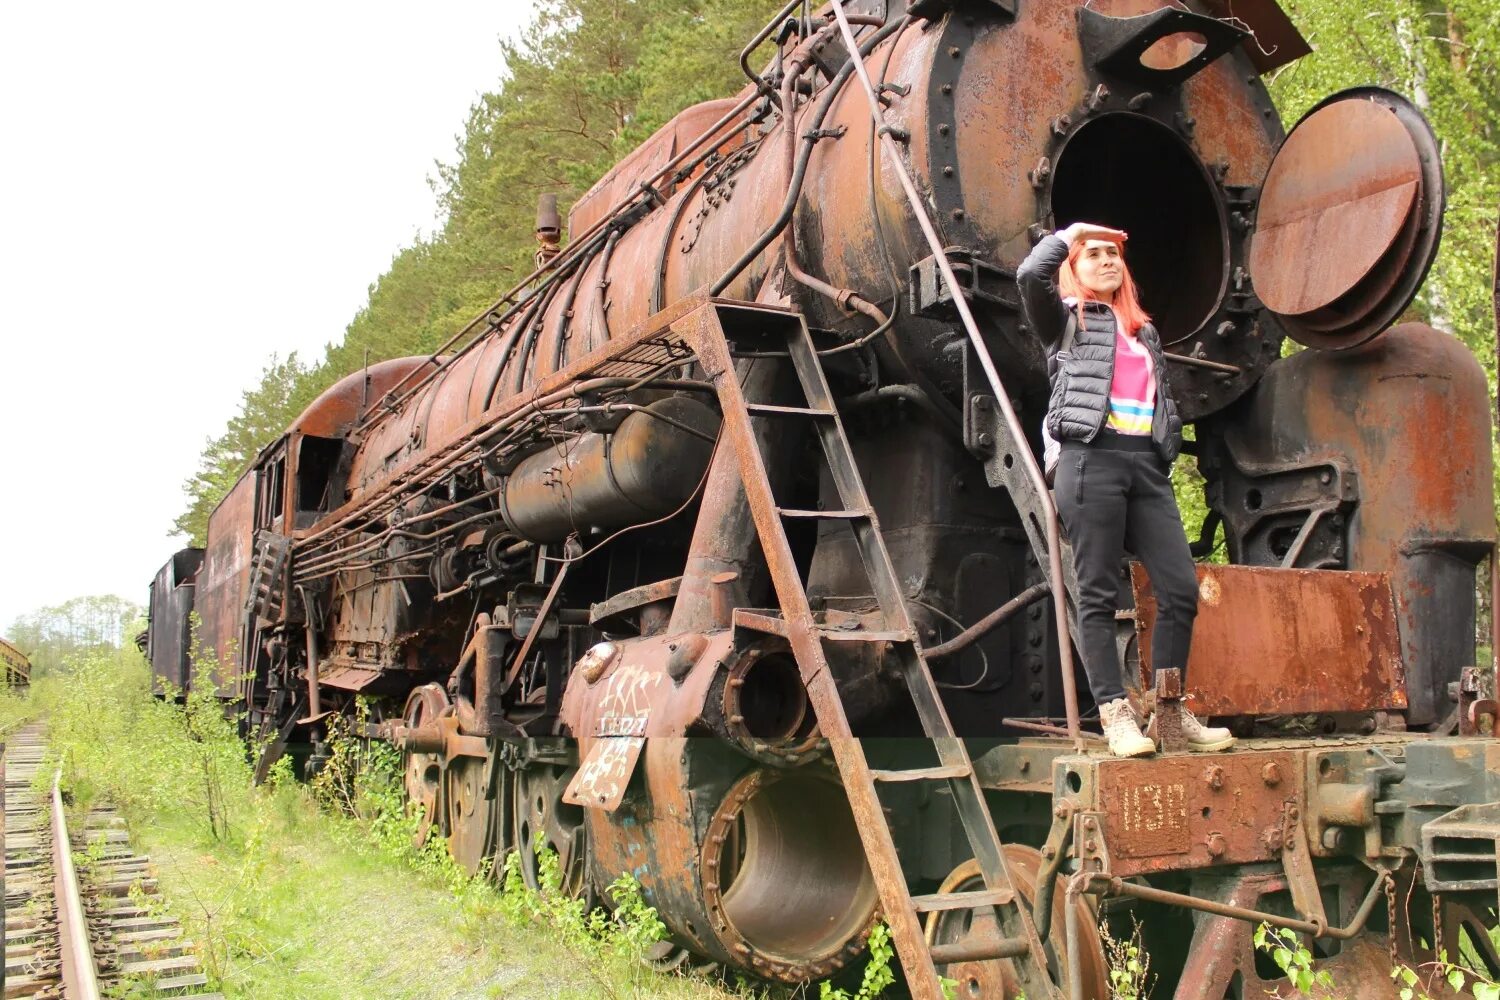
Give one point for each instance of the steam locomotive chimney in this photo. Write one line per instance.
(548, 228)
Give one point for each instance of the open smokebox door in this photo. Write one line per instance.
(1349, 219)
(1345, 225)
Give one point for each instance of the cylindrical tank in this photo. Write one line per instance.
(645, 468)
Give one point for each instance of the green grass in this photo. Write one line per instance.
(288, 899)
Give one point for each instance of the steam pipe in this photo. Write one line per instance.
(989, 622)
(846, 298)
(800, 171)
(314, 699)
(1034, 473)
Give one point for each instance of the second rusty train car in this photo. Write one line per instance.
(716, 552)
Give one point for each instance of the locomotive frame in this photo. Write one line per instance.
(714, 572)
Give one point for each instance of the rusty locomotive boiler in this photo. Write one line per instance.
(717, 553)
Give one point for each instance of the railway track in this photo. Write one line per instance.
(74, 931)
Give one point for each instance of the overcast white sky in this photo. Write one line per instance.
(185, 190)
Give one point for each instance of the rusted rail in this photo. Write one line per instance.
(80, 973)
(72, 932)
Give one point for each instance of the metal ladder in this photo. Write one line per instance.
(807, 639)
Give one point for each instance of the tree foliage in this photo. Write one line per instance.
(52, 636)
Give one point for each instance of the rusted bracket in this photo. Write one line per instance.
(1262, 500)
(1089, 845)
(982, 283)
(1478, 709)
(817, 134)
(1116, 44)
(1296, 859)
(1054, 852)
(987, 435)
(1169, 708)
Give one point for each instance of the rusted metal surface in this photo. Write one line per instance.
(1284, 642)
(750, 866)
(335, 411)
(1477, 711)
(1361, 171)
(223, 581)
(1195, 811)
(645, 468)
(1426, 515)
(1317, 197)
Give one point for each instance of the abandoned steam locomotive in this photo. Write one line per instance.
(716, 552)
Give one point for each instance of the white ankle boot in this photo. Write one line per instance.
(1123, 731)
(1205, 739)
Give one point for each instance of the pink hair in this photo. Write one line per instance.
(1127, 302)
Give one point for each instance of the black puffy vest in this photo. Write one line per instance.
(1079, 404)
(1081, 376)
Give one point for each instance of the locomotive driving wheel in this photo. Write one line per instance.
(997, 979)
(470, 818)
(541, 816)
(423, 771)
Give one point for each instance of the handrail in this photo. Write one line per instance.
(1028, 460)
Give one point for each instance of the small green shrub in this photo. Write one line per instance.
(1411, 985)
(878, 975)
(1129, 965)
(1293, 958)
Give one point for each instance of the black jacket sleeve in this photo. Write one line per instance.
(1037, 280)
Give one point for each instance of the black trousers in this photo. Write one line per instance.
(1115, 495)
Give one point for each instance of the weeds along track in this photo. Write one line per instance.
(77, 931)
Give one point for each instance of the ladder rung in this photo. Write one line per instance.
(862, 635)
(768, 410)
(924, 773)
(823, 515)
(772, 624)
(940, 901)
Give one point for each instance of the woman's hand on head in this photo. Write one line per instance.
(1090, 231)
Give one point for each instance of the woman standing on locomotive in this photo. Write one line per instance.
(1117, 430)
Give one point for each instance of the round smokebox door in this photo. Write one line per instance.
(1349, 219)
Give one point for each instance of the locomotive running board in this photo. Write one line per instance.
(1012, 933)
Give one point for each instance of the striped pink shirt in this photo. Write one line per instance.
(1132, 392)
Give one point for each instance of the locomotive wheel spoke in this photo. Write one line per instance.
(423, 772)
(470, 818)
(540, 814)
